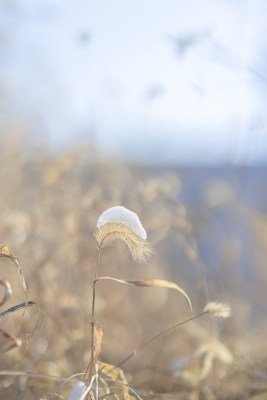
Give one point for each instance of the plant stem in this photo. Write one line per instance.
(96, 271)
(134, 353)
(89, 369)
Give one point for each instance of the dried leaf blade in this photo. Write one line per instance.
(116, 375)
(150, 283)
(18, 307)
(97, 341)
(5, 252)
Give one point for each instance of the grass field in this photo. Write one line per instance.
(208, 228)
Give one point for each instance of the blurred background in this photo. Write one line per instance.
(159, 106)
(154, 82)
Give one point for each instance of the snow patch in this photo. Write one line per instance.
(124, 216)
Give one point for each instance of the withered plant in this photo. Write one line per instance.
(100, 379)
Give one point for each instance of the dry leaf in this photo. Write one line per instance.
(116, 375)
(150, 283)
(97, 344)
(5, 252)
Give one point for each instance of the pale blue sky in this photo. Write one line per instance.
(167, 80)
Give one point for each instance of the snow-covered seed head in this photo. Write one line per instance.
(218, 310)
(120, 223)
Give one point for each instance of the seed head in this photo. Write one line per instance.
(121, 223)
(218, 310)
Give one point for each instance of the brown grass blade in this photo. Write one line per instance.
(97, 340)
(8, 291)
(5, 252)
(150, 283)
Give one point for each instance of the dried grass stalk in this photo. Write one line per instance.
(96, 347)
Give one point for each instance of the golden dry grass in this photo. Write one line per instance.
(48, 211)
(140, 249)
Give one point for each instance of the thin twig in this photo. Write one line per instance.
(89, 369)
(136, 351)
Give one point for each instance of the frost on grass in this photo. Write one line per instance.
(121, 223)
(218, 310)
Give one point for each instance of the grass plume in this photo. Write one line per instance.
(217, 309)
(140, 249)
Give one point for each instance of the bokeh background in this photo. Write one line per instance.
(161, 82)
(158, 106)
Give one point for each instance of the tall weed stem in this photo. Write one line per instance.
(89, 369)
